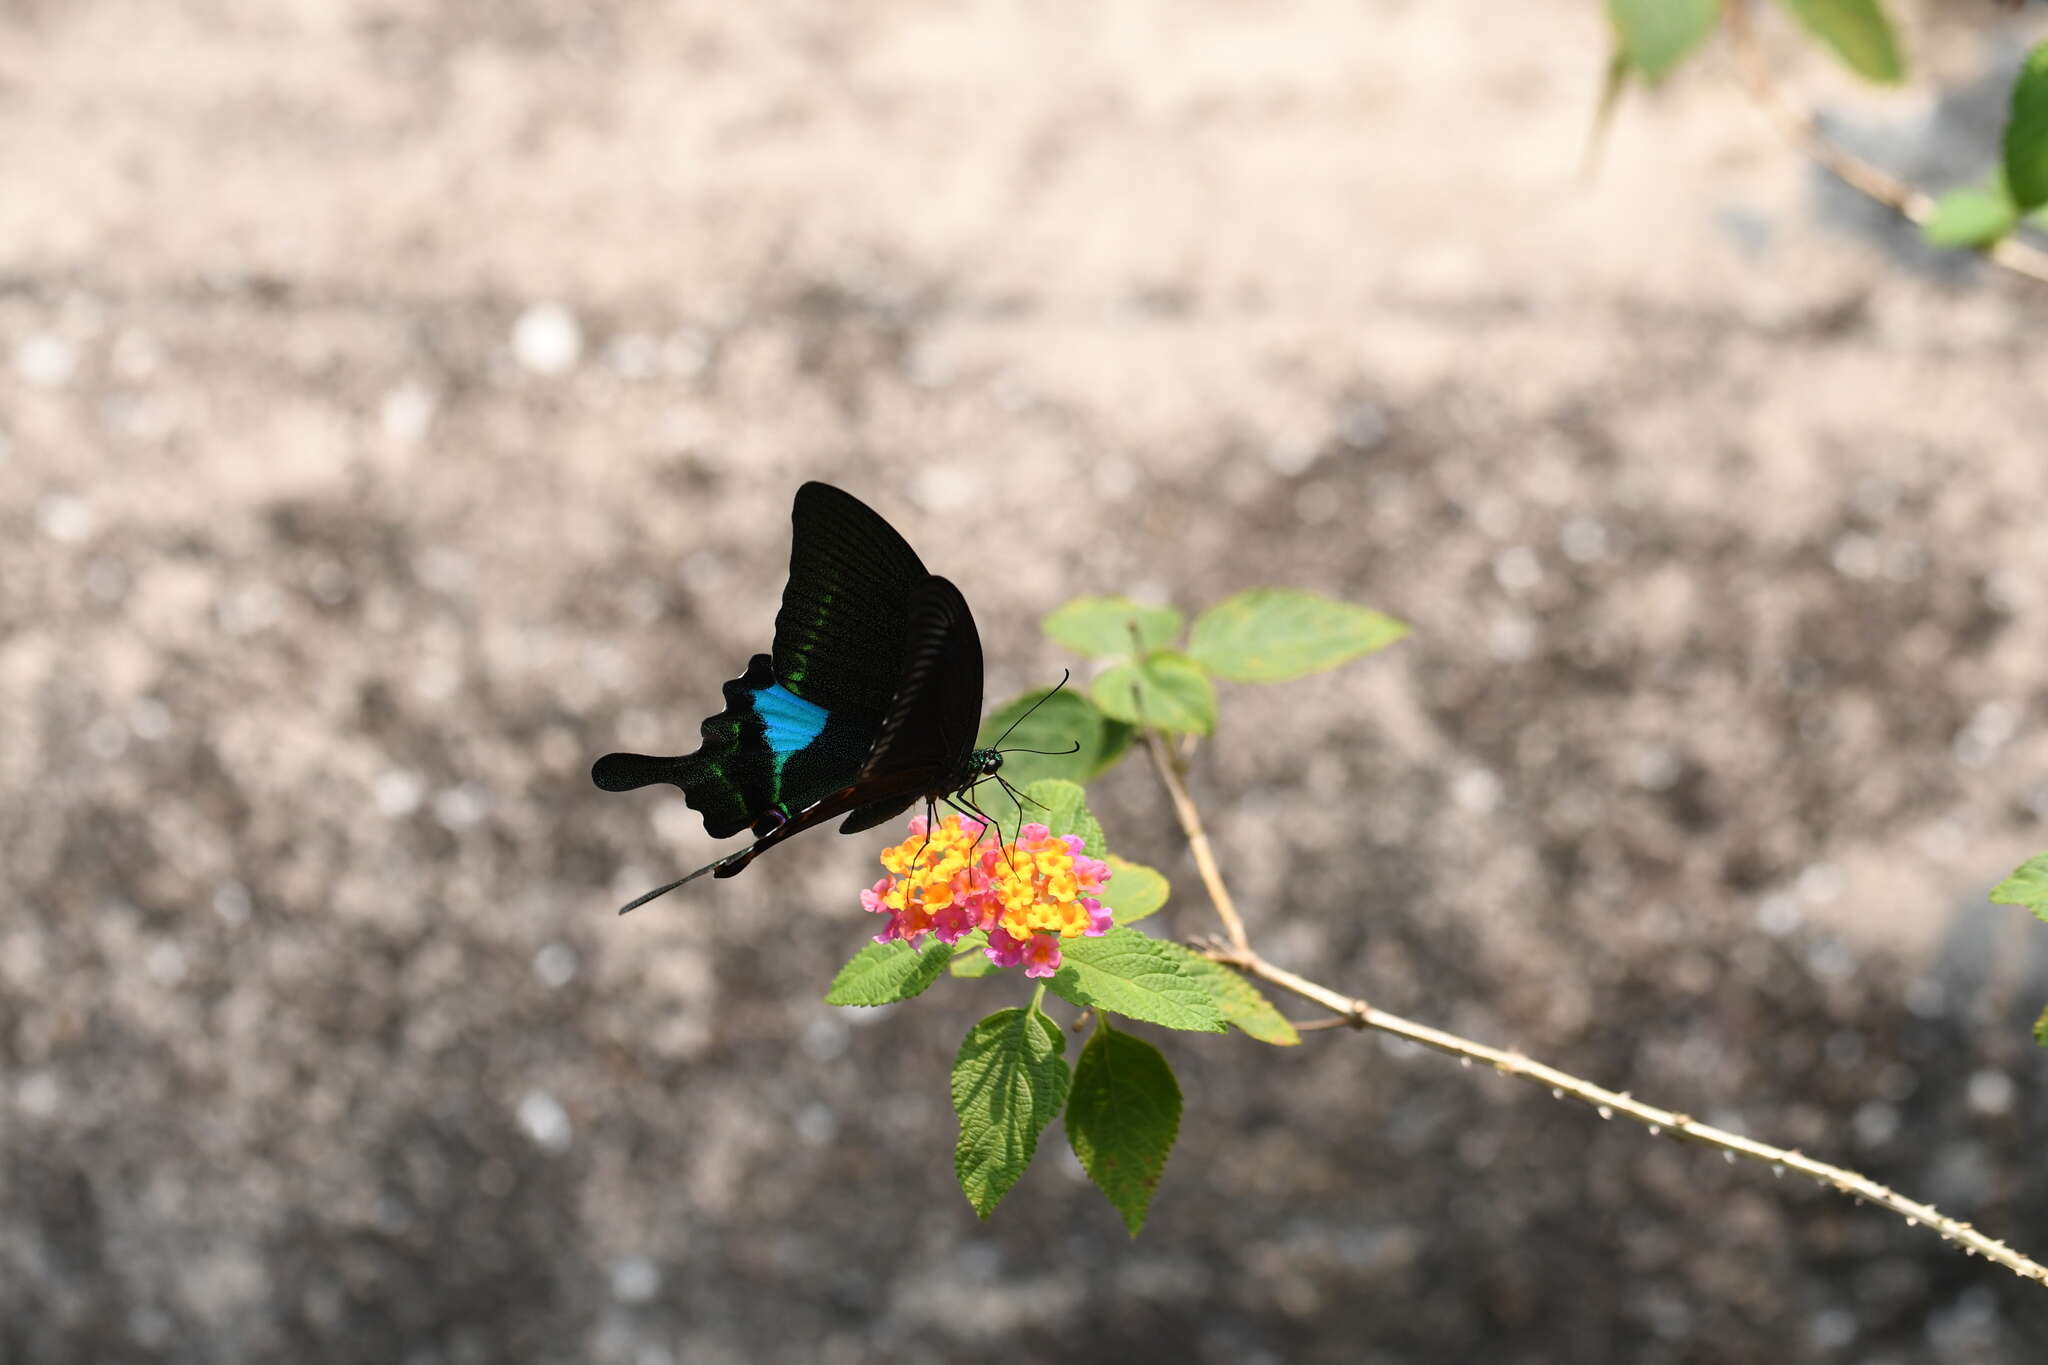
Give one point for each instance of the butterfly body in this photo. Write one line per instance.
(867, 703)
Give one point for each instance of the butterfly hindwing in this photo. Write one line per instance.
(767, 755)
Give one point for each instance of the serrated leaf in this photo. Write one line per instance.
(1656, 35)
(1065, 717)
(2041, 1030)
(883, 973)
(2028, 887)
(1009, 1082)
(1858, 32)
(1101, 627)
(1971, 217)
(1273, 634)
(1166, 690)
(2026, 133)
(1246, 1008)
(1122, 1118)
(1126, 973)
(1135, 890)
(1243, 1005)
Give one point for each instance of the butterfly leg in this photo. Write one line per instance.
(990, 822)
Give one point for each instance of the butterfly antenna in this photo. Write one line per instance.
(1055, 753)
(1064, 675)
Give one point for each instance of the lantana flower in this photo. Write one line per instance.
(1026, 896)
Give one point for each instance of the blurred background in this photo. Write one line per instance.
(400, 405)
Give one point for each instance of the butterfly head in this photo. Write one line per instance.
(984, 763)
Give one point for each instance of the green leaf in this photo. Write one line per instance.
(1135, 890)
(1009, 1082)
(1127, 973)
(1272, 634)
(1064, 718)
(969, 960)
(1062, 808)
(1656, 35)
(2026, 887)
(1245, 1008)
(972, 966)
(1122, 1119)
(1100, 627)
(1972, 217)
(1858, 32)
(882, 973)
(1167, 690)
(2041, 1030)
(2026, 133)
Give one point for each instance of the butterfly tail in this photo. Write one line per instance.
(624, 772)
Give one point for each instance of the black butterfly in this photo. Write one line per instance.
(868, 703)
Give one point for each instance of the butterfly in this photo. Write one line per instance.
(868, 701)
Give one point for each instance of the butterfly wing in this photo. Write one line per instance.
(929, 731)
(801, 722)
(769, 750)
(839, 637)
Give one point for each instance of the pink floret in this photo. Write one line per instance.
(1041, 955)
(1100, 917)
(1004, 949)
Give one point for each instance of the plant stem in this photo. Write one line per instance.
(1798, 126)
(1356, 1013)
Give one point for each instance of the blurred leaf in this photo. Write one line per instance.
(1065, 718)
(883, 973)
(1654, 36)
(1971, 217)
(1122, 1118)
(1100, 627)
(2041, 1029)
(1135, 890)
(2027, 887)
(1858, 32)
(1009, 1082)
(2026, 133)
(1127, 973)
(1273, 634)
(972, 966)
(968, 959)
(1167, 690)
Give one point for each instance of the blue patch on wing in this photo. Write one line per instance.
(790, 722)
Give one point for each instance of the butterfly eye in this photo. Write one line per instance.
(993, 765)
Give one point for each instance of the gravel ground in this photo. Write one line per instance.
(400, 405)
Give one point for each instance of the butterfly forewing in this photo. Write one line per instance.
(839, 634)
(931, 724)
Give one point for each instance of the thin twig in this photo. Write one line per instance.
(1358, 1014)
(1799, 127)
(1198, 841)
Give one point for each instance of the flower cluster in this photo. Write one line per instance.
(1025, 896)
